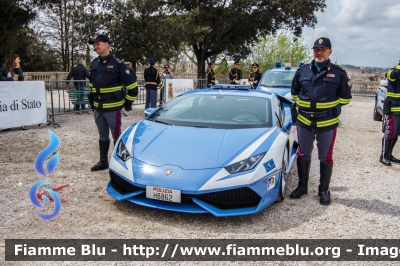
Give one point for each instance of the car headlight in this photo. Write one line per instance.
(244, 165)
(122, 152)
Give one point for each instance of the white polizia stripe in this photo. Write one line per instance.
(249, 151)
(117, 167)
(275, 153)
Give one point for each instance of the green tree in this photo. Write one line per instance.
(215, 27)
(68, 25)
(141, 28)
(222, 67)
(277, 48)
(35, 53)
(87, 22)
(14, 15)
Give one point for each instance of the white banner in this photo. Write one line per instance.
(175, 87)
(22, 103)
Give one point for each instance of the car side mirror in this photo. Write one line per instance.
(148, 111)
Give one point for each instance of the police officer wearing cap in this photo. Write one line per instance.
(152, 79)
(255, 76)
(235, 74)
(211, 75)
(113, 87)
(319, 89)
(391, 109)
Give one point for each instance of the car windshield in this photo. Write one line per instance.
(215, 111)
(278, 79)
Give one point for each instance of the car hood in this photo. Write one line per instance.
(285, 92)
(189, 147)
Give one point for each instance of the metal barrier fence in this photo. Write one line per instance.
(66, 99)
(364, 88)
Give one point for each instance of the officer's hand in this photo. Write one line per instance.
(128, 105)
(255, 81)
(237, 81)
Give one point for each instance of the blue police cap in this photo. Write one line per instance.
(322, 42)
(100, 38)
(153, 59)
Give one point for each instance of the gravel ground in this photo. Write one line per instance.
(365, 199)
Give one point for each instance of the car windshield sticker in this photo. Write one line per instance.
(269, 165)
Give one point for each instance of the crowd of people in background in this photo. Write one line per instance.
(235, 75)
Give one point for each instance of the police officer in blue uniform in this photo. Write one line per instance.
(319, 89)
(255, 76)
(211, 75)
(391, 110)
(152, 79)
(113, 87)
(235, 74)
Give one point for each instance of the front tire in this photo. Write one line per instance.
(284, 176)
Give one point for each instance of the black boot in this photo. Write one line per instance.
(103, 163)
(325, 171)
(303, 170)
(391, 157)
(385, 159)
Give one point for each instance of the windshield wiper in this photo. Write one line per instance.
(158, 121)
(273, 86)
(201, 126)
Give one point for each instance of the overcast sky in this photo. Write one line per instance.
(362, 32)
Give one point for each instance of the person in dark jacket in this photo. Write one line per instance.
(255, 76)
(235, 74)
(81, 73)
(11, 70)
(113, 87)
(152, 79)
(391, 109)
(211, 75)
(319, 89)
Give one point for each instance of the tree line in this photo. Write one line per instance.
(52, 35)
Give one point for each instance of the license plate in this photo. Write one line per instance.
(164, 194)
